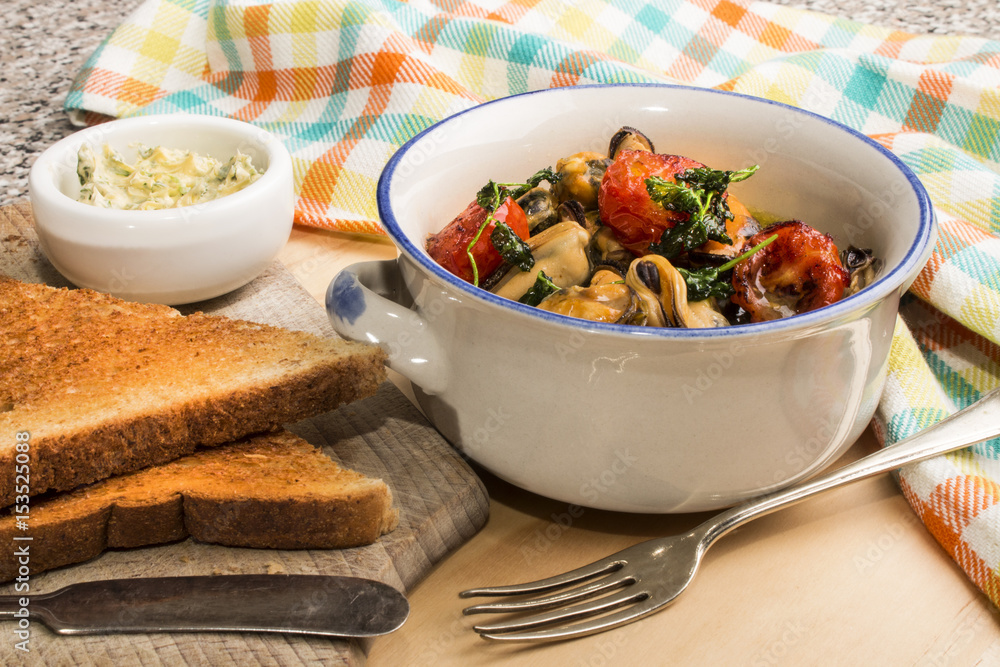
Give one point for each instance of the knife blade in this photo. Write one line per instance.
(336, 606)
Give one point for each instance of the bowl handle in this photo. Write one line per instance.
(362, 302)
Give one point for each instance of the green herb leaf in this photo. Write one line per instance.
(705, 282)
(681, 237)
(493, 194)
(743, 174)
(489, 197)
(715, 180)
(511, 247)
(716, 281)
(699, 193)
(542, 288)
(534, 181)
(673, 196)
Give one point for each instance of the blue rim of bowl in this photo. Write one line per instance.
(867, 297)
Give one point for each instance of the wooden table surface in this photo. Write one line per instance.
(848, 578)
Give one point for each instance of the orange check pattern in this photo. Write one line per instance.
(344, 83)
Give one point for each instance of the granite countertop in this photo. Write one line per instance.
(47, 43)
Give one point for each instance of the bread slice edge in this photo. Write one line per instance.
(243, 510)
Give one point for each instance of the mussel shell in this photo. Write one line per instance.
(491, 281)
(735, 314)
(573, 210)
(629, 138)
(540, 207)
(605, 248)
(862, 267)
(662, 293)
(856, 258)
(648, 273)
(644, 277)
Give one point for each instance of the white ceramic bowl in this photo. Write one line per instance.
(170, 256)
(631, 418)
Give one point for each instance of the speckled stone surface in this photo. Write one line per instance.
(43, 45)
(979, 18)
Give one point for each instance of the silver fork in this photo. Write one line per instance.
(644, 578)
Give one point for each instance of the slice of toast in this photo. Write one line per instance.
(270, 491)
(97, 386)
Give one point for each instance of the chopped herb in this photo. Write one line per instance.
(534, 181)
(699, 193)
(715, 180)
(512, 247)
(542, 288)
(683, 236)
(491, 195)
(710, 281)
(472, 243)
(703, 283)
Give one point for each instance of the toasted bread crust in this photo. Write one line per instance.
(271, 491)
(105, 386)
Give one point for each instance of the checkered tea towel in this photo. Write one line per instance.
(346, 82)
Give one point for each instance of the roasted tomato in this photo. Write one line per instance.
(626, 206)
(448, 247)
(797, 272)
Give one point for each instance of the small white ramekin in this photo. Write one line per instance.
(171, 256)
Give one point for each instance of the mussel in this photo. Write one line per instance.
(603, 302)
(605, 275)
(580, 177)
(631, 139)
(662, 295)
(862, 266)
(560, 251)
(572, 211)
(540, 207)
(605, 248)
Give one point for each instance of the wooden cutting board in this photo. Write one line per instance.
(442, 503)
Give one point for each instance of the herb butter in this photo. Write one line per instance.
(161, 178)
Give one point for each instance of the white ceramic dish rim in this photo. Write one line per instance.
(158, 220)
(866, 298)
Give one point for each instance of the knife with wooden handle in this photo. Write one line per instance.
(334, 606)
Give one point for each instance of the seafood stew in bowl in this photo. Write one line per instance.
(613, 415)
(651, 239)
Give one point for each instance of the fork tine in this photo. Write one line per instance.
(585, 609)
(556, 599)
(582, 629)
(603, 566)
